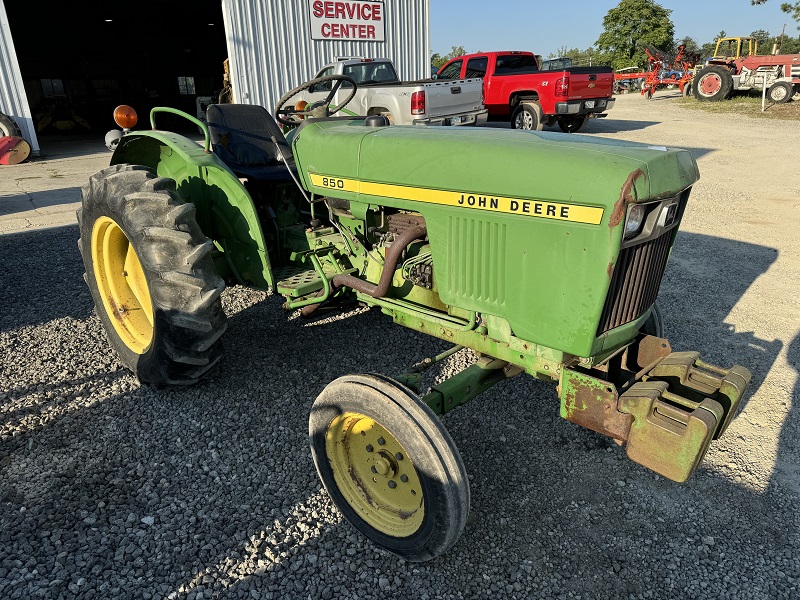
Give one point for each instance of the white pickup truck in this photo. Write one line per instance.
(380, 92)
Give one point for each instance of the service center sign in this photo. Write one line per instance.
(360, 21)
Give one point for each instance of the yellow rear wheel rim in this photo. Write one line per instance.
(375, 474)
(122, 285)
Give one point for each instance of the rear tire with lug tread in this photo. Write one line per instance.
(389, 466)
(571, 124)
(712, 83)
(528, 116)
(152, 279)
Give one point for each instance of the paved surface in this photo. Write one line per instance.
(110, 490)
(45, 192)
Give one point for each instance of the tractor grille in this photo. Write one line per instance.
(634, 285)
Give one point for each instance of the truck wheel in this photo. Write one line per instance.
(8, 127)
(687, 90)
(527, 116)
(149, 269)
(780, 92)
(571, 124)
(713, 83)
(389, 466)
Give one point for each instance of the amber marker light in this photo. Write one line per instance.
(125, 116)
(301, 106)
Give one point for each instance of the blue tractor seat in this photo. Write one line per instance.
(241, 136)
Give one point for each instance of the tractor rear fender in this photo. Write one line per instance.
(225, 211)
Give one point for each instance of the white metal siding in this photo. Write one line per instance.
(13, 101)
(271, 50)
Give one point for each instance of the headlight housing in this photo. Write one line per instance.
(634, 221)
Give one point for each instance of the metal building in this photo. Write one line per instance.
(13, 100)
(272, 46)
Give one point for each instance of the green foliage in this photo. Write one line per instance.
(580, 58)
(689, 42)
(438, 60)
(707, 49)
(629, 27)
(762, 37)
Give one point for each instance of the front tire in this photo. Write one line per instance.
(571, 124)
(713, 83)
(654, 325)
(150, 273)
(780, 92)
(527, 116)
(389, 466)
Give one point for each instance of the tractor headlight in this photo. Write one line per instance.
(635, 221)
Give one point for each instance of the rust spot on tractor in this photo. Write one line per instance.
(596, 408)
(610, 270)
(625, 198)
(360, 485)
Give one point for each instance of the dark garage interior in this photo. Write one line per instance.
(81, 60)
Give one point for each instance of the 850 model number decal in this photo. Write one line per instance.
(575, 213)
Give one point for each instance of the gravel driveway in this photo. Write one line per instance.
(110, 490)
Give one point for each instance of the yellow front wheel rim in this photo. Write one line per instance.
(375, 475)
(122, 285)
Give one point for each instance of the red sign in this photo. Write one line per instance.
(359, 21)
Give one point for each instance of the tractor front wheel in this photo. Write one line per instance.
(150, 273)
(780, 92)
(571, 124)
(712, 83)
(389, 466)
(655, 323)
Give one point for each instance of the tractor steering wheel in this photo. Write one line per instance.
(291, 116)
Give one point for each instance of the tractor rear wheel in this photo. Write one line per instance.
(712, 83)
(149, 269)
(571, 124)
(780, 92)
(389, 466)
(528, 116)
(8, 128)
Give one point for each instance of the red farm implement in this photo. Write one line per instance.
(664, 70)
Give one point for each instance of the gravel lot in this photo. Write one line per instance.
(110, 490)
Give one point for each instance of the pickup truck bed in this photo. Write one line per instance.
(424, 102)
(515, 88)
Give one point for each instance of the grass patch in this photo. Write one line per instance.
(747, 105)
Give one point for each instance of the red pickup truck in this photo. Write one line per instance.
(513, 85)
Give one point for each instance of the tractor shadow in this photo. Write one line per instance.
(41, 275)
(555, 509)
(38, 200)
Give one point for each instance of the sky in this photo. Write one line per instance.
(545, 26)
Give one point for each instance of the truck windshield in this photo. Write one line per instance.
(371, 72)
(515, 63)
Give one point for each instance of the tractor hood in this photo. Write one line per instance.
(525, 226)
(494, 162)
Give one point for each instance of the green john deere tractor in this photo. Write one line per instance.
(543, 253)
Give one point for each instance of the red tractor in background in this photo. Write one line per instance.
(736, 66)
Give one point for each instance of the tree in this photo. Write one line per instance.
(629, 27)
(787, 7)
(707, 49)
(437, 60)
(763, 38)
(689, 42)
